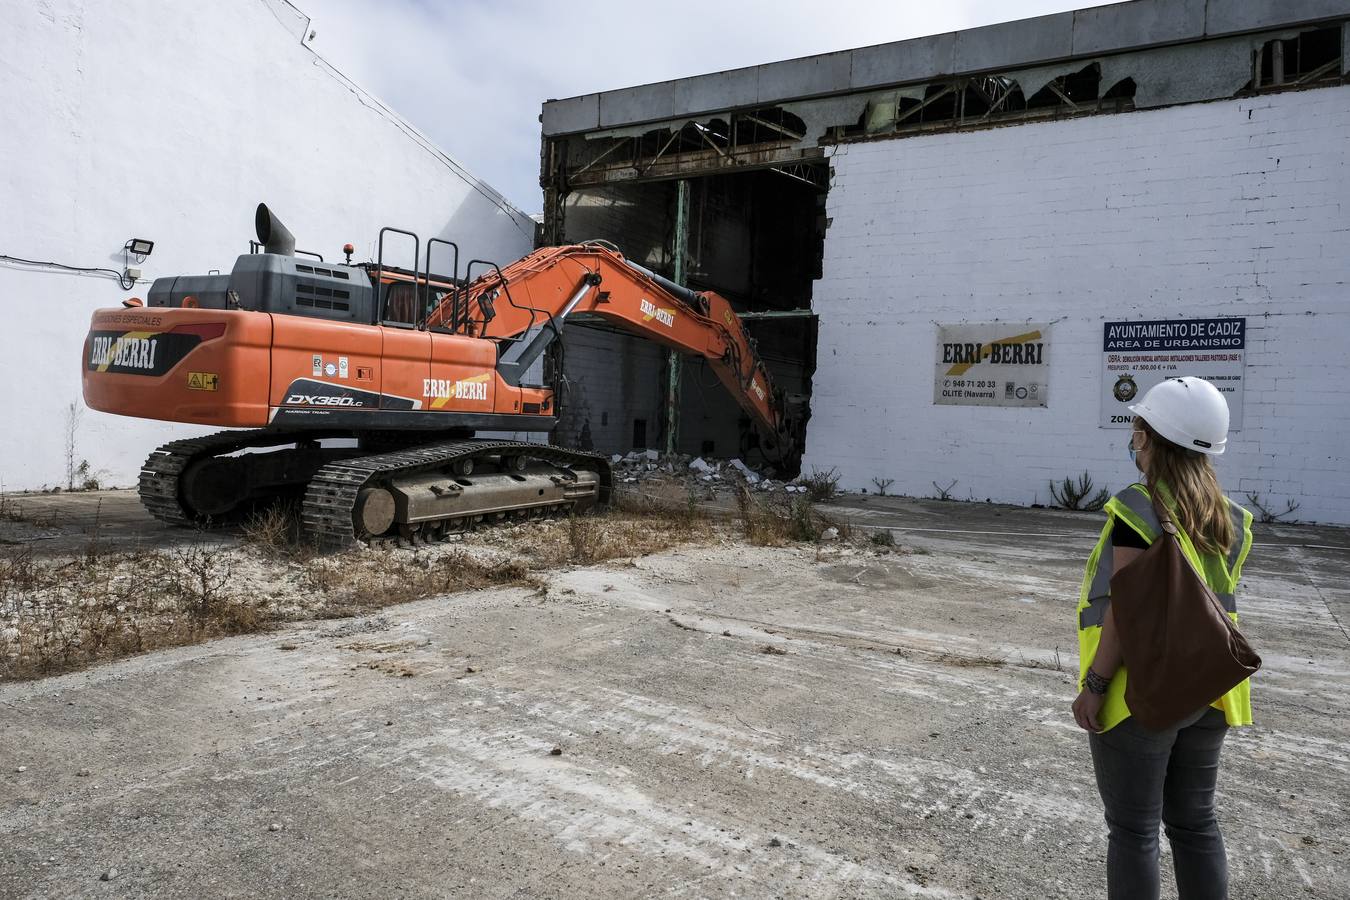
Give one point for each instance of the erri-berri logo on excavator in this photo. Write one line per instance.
(442, 389)
(130, 351)
(650, 311)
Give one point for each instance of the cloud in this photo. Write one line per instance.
(473, 74)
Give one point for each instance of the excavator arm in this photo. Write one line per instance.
(524, 306)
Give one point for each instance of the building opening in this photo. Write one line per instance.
(755, 237)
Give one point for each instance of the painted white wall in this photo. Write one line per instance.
(1229, 208)
(171, 121)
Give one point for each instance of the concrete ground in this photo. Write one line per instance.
(716, 722)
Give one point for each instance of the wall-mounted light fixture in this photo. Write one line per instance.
(139, 248)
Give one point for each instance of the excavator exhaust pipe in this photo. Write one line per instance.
(275, 237)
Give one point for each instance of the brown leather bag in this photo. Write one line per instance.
(1181, 650)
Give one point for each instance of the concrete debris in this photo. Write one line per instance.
(747, 473)
(556, 751)
(640, 466)
(830, 534)
(21, 769)
(275, 826)
(83, 773)
(109, 875)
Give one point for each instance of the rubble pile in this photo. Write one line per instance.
(640, 466)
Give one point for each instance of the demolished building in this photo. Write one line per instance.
(1127, 191)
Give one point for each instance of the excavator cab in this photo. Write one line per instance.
(275, 277)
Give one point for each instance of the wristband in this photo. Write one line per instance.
(1095, 683)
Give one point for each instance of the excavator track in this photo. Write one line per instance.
(160, 481)
(328, 513)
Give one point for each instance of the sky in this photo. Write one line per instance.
(472, 74)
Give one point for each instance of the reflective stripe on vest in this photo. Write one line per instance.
(1138, 513)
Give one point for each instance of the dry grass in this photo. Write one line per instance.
(352, 584)
(822, 484)
(972, 662)
(61, 614)
(273, 530)
(775, 522)
(13, 510)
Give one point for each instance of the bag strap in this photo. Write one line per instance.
(1168, 525)
(1165, 521)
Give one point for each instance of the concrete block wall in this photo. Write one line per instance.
(1238, 207)
(170, 122)
(613, 380)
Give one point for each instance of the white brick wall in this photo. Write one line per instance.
(1229, 208)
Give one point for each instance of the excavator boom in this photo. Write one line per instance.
(527, 303)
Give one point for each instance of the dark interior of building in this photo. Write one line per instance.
(756, 238)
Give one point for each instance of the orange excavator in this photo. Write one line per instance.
(360, 388)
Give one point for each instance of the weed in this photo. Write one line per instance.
(882, 538)
(822, 485)
(1267, 515)
(774, 523)
(882, 484)
(582, 537)
(944, 493)
(10, 511)
(1071, 494)
(273, 529)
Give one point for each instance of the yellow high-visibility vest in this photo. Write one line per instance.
(1134, 507)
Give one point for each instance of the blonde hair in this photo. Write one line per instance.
(1201, 508)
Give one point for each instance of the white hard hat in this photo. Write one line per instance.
(1190, 412)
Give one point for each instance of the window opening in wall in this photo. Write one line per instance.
(639, 434)
(1310, 57)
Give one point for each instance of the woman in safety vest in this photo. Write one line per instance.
(1145, 777)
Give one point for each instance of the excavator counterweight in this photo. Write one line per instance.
(362, 387)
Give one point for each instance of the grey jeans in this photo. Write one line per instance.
(1148, 777)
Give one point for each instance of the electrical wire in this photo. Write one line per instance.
(373, 103)
(125, 280)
